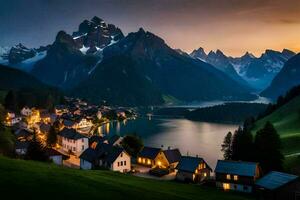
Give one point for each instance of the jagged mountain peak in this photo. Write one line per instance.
(199, 54)
(248, 55)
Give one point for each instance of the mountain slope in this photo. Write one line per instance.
(288, 77)
(64, 65)
(11, 78)
(118, 82)
(286, 120)
(219, 61)
(165, 69)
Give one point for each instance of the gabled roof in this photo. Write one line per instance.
(89, 155)
(69, 123)
(71, 134)
(45, 127)
(113, 154)
(23, 133)
(189, 163)
(236, 167)
(172, 155)
(149, 152)
(53, 152)
(22, 144)
(274, 180)
(113, 139)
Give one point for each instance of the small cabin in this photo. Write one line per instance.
(151, 157)
(192, 169)
(277, 186)
(237, 175)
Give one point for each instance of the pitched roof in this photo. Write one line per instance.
(113, 139)
(45, 127)
(71, 134)
(149, 152)
(89, 155)
(188, 163)
(53, 152)
(236, 167)
(113, 154)
(69, 123)
(172, 155)
(23, 133)
(22, 144)
(274, 180)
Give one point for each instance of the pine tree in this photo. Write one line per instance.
(35, 150)
(226, 146)
(242, 145)
(10, 101)
(51, 137)
(268, 148)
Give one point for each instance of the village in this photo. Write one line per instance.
(79, 143)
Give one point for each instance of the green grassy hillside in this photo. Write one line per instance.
(286, 120)
(33, 180)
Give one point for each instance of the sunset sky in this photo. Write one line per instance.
(233, 26)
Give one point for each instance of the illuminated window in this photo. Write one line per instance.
(158, 163)
(226, 186)
(204, 166)
(140, 160)
(204, 174)
(144, 160)
(235, 177)
(149, 162)
(228, 177)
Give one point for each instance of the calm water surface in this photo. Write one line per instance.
(193, 138)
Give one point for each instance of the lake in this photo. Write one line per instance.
(192, 138)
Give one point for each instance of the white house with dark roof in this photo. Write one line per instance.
(237, 175)
(72, 141)
(106, 155)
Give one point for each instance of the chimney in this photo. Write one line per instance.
(169, 148)
(197, 156)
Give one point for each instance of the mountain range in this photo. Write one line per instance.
(98, 63)
(288, 77)
(257, 72)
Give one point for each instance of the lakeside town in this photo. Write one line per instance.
(70, 136)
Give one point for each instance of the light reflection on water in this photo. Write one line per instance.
(195, 138)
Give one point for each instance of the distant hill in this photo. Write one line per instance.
(47, 180)
(288, 77)
(11, 78)
(227, 113)
(27, 89)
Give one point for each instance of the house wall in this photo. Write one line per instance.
(184, 176)
(145, 161)
(76, 146)
(245, 180)
(21, 152)
(122, 163)
(235, 187)
(85, 164)
(57, 159)
(161, 160)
